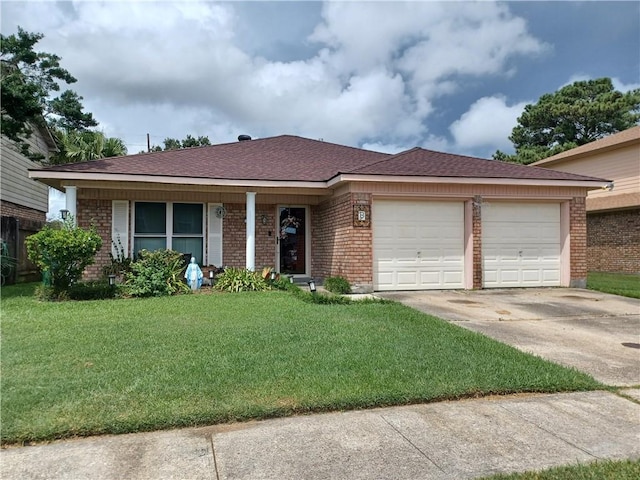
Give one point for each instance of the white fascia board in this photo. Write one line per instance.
(70, 176)
(466, 180)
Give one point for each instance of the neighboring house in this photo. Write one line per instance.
(23, 201)
(416, 220)
(613, 214)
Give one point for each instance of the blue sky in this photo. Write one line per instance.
(450, 76)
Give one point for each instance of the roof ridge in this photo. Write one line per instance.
(376, 162)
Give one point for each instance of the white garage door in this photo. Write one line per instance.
(521, 245)
(418, 245)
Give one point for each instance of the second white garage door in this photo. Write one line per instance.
(418, 245)
(521, 245)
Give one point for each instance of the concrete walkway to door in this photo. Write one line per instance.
(594, 332)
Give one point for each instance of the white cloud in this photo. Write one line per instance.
(172, 69)
(624, 87)
(391, 148)
(488, 123)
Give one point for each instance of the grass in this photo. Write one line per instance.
(618, 470)
(627, 285)
(116, 366)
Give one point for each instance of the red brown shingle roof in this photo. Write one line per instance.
(292, 158)
(284, 158)
(421, 162)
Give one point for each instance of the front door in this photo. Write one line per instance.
(292, 240)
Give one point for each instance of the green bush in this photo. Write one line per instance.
(63, 254)
(156, 274)
(46, 293)
(92, 291)
(338, 285)
(239, 280)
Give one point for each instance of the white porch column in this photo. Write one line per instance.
(70, 203)
(251, 231)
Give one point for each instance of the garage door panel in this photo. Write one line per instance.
(385, 277)
(407, 278)
(430, 278)
(385, 231)
(452, 278)
(426, 247)
(521, 245)
(508, 277)
(531, 275)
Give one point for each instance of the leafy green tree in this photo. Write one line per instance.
(80, 146)
(28, 80)
(188, 142)
(574, 115)
(63, 254)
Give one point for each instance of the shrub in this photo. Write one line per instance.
(63, 254)
(238, 280)
(338, 285)
(92, 291)
(46, 293)
(156, 274)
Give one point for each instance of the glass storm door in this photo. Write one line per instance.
(292, 240)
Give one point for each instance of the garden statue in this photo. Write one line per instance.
(193, 275)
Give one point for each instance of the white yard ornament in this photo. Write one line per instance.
(193, 275)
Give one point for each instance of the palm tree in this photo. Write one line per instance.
(80, 146)
(113, 147)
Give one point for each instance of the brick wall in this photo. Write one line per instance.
(476, 222)
(234, 235)
(96, 213)
(8, 209)
(578, 233)
(339, 248)
(613, 241)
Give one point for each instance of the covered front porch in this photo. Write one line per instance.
(228, 226)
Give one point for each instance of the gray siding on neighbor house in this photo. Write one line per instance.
(15, 184)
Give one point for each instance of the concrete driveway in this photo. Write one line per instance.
(594, 332)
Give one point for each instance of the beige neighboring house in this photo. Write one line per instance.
(613, 214)
(23, 201)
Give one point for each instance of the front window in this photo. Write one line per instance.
(177, 226)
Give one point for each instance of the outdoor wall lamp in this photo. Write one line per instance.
(112, 280)
(264, 219)
(64, 213)
(312, 285)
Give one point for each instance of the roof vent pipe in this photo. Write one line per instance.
(243, 138)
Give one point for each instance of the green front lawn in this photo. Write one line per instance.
(604, 469)
(115, 366)
(627, 285)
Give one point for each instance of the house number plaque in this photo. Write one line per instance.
(361, 216)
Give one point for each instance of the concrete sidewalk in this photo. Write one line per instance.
(447, 440)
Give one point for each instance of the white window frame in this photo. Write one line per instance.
(168, 236)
